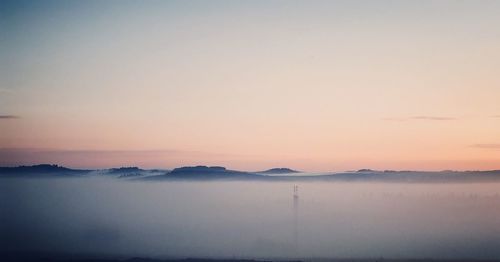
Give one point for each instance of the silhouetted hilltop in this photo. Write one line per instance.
(205, 173)
(49, 170)
(124, 170)
(199, 170)
(41, 170)
(365, 170)
(128, 172)
(415, 176)
(279, 170)
(201, 173)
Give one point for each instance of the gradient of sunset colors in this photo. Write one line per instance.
(311, 85)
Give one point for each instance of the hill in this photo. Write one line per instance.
(205, 173)
(43, 170)
(279, 170)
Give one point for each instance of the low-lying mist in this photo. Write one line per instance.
(250, 219)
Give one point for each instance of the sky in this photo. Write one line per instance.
(311, 85)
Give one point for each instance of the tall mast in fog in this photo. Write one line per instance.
(296, 217)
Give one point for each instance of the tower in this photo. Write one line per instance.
(296, 217)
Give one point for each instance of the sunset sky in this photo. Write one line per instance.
(310, 85)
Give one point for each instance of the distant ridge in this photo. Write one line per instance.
(279, 170)
(199, 169)
(205, 173)
(365, 170)
(42, 170)
(51, 170)
(122, 170)
(202, 173)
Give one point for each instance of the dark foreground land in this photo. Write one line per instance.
(41, 257)
(44, 257)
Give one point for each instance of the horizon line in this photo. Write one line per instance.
(299, 171)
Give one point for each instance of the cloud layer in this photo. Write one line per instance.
(487, 146)
(8, 117)
(422, 117)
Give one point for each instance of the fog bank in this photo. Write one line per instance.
(250, 219)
